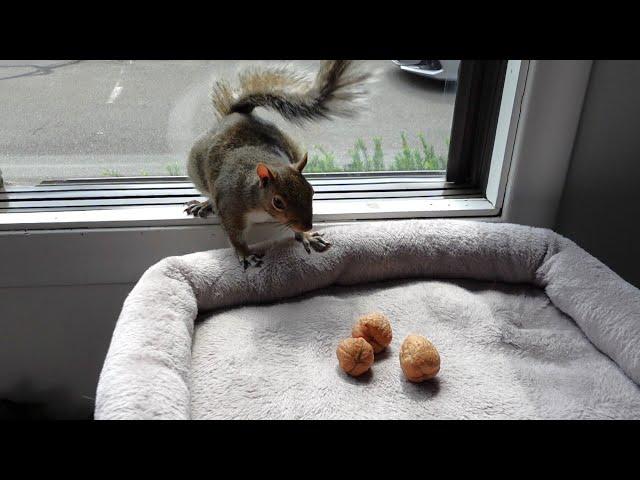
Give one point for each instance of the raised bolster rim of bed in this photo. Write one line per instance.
(154, 330)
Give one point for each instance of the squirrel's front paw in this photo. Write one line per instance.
(252, 260)
(312, 240)
(199, 209)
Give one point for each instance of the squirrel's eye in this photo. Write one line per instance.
(278, 204)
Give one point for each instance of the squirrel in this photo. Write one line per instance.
(251, 170)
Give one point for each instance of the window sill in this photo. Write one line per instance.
(324, 211)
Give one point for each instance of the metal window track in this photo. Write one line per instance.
(100, 193)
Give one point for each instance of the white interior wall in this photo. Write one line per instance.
(600, 209)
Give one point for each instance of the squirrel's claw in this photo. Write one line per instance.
(302, 238)
(198, 209)
(319, 244)
(313, 240)
(253, 260)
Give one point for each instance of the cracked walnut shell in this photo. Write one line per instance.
(419, 358)
(355, 356)
(375, 329)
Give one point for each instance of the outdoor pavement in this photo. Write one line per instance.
(69, 119)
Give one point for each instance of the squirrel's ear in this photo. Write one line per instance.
(302, 163)
(265, 173)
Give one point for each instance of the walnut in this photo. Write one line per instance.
(419, 359)
(375, 329)
(355, 356)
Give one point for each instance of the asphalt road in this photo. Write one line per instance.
(69, 119)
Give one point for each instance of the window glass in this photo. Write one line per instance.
(64, 119)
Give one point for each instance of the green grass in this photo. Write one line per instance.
(363, 158)
(111, 173)
(321, 161)
(421, 157)
(362, 161)
(174, 170)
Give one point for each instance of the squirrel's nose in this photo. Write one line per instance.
(304, 227)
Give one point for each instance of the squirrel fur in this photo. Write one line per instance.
(248, 168)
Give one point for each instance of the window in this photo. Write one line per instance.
(114, 135)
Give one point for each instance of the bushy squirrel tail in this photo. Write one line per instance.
(338, 90)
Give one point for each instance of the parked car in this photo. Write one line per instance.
(439, 69)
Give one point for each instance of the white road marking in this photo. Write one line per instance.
(115, 92)
(117, 89)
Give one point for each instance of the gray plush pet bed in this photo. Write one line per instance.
(528, 325)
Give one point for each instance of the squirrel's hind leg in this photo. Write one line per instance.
(199, 209)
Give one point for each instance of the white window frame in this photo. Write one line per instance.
(325, 210)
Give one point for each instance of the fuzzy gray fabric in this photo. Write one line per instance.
(528, 325)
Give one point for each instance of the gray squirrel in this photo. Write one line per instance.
(249, 169)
